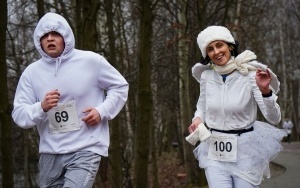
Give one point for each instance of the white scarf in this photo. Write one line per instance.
(243, 63)
(240, 63)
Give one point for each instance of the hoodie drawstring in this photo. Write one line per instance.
(57, 64)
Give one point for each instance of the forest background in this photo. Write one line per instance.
(153, 44)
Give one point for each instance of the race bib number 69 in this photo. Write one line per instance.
(63, 118)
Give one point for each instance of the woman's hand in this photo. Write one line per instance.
(263, 80)
(194, 124)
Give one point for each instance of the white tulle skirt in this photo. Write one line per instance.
(255, 150)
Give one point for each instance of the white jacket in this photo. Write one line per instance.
(233, 105)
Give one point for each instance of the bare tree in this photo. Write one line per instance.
(145, 113)
(40, 8)
(184, 70)
(115, 148)
(5, 107)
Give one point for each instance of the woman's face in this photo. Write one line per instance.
(218, 52)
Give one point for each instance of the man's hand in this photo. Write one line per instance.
(50, 100)
(93, 116)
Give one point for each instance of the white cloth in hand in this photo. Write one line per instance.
(201, 133)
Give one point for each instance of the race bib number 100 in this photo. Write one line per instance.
(63, 118)
(223, 148)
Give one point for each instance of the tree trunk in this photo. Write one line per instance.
(26, 163)
(144, 109)
(127, 137)
(90, 10)
(154, 167)
(86, 15)
(284, 76)
(201, 5)
(40, 8)
(79, 32)
(185, 108)
(5, 108)
(237, 19)
(115, 147)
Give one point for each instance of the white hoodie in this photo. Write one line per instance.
(80, 76)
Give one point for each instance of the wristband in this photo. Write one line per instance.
(268, 95)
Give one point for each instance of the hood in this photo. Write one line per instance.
(54, 22)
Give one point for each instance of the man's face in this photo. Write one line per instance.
(53, 44)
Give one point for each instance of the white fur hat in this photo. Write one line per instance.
(211, 34)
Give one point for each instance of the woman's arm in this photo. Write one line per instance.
(264, 97)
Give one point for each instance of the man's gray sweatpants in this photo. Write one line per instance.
(70, 170)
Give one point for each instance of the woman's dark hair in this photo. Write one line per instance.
(205, 61)
(234, 52)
